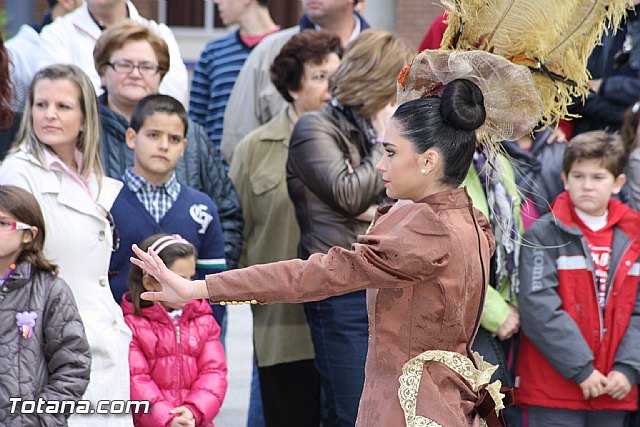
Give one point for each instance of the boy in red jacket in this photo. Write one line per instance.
(579, 359)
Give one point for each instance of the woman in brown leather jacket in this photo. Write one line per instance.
(424, 264)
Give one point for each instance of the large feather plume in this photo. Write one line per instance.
(554, 38)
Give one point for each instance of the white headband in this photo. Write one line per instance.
(165, 241)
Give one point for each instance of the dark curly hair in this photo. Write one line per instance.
(309, 46)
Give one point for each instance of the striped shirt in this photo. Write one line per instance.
(157, 200)
(213, 79)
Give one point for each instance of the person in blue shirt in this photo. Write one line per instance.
(222, 59)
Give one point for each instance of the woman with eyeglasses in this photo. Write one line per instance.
(132, 61)
(56, 158)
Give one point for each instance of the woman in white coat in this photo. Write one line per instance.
(56, 158)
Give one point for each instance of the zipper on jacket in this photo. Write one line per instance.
(592, 270)
(612, 279)
(179, 354)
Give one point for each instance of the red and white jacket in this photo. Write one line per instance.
(565, 334)
(176, 364)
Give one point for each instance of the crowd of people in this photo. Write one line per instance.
(379, 245)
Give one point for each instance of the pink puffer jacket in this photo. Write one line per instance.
(176, 364)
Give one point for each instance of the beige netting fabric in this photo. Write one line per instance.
(511, 101)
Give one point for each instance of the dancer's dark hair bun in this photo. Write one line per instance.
(462, 105)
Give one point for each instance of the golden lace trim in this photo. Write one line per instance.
(462, 365)
(424, 422)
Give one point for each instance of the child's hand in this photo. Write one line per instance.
(185, 419)
(594, 385)
(618, 385)
(181, 422)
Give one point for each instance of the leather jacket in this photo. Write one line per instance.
(332, 178)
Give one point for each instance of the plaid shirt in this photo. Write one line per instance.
(157, 200)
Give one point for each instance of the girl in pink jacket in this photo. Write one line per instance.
(176, 359)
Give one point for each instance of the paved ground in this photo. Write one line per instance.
(239, 360)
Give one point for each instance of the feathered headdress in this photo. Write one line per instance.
(528, 57)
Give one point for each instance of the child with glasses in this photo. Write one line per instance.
(45, 353)
(176, 359)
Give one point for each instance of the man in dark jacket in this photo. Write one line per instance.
(615, 67)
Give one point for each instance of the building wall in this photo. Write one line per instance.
(147, 8)
(414, 17)
(40, 7)
(381, 14)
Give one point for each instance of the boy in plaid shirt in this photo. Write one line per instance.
(152, 200)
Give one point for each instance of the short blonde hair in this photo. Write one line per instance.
(88, 140)
(367, 75)
(114, 38)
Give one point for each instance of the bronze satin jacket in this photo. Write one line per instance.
(422, 266)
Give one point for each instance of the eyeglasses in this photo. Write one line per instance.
(7, 224)
(126, 67)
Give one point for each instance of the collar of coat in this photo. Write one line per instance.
(66, 193)
(84, 22)
(19, 278)
(620, 215)
(272, 130)
(158, 313)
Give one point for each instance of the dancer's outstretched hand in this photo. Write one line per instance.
(175, 289)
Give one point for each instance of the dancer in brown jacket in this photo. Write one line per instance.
(424, 263)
